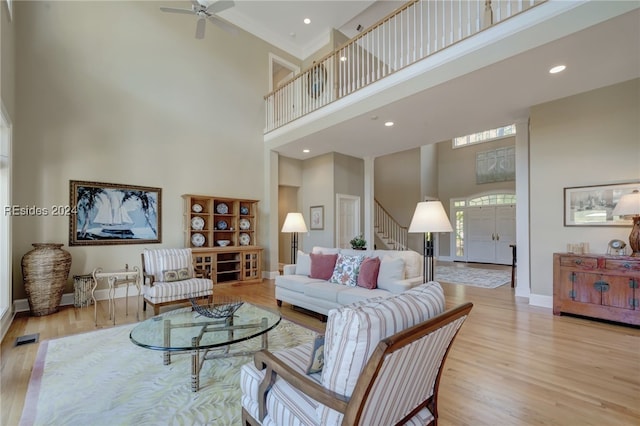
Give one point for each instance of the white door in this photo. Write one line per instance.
(348, 219)
(480, 235)
(490, 231)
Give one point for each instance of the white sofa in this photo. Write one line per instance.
(296, 287)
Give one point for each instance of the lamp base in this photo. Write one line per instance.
(634, 237)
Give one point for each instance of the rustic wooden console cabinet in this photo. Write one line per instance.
(598, 286)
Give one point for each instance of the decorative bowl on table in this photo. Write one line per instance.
(223, 243)
(222, 306)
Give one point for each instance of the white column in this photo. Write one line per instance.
(269, 211)
(522, 208)
(369, 195)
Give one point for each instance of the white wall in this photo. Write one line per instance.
(318, 191)
(121, 92)
(397, 188)
(588, 139)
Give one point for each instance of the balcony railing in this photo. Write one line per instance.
(413, 32)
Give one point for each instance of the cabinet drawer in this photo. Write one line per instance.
(579, 262)
(622, 265)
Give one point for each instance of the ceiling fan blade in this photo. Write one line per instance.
(200, 28)
(219, 6)
(174, 10)
(224, 25)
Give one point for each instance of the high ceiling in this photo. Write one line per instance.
(281, 22)
(484, 96)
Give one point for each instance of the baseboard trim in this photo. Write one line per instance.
(22, 305)
(541, 300)
(270, 275)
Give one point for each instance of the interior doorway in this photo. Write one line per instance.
(281, 72)
(348, 219)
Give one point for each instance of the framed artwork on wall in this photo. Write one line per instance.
(316, 215)
(109, 213)
(593, 205)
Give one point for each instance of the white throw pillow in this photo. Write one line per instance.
(391, 269)
(303, 264)
(325, 250)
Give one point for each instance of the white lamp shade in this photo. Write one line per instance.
(629, 205)
(430, 217)
(294, 222)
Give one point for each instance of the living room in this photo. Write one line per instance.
(132, 98)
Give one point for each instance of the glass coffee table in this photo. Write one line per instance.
(185, 330)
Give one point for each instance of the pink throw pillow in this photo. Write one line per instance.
(322, 265)
(368, 275)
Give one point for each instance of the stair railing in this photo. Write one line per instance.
(414, 31)
(388, 230)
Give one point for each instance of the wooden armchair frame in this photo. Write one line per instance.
(353, 407)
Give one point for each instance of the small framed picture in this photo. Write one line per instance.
(316, 214)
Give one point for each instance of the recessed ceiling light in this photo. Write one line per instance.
(307, 21)
(557, 69)
(388, 123)
(306, 151)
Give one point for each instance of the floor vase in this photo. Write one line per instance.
(45, 270)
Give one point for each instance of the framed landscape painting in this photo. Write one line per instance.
(109, 213)
(593, 205)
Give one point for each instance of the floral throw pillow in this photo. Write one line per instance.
(346, 270)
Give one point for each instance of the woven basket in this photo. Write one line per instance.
(45, 270)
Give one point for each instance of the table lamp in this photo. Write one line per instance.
(294, 223)
(629, 206)
(429, 217)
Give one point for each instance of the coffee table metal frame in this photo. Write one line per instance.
(200, 326)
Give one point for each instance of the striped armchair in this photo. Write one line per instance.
(382, 364)
(169, 277)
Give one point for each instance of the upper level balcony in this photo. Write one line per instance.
(413, 50)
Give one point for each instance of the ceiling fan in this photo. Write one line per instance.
(205, 10)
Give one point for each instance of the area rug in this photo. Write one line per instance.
(477, 277)
(101, 378)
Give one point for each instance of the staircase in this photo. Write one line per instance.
(388, 230)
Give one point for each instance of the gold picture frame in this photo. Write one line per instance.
(110, 213)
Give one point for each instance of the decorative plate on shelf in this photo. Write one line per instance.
(244, 210)
(197, 240)
(244, 239)
(222, 208)
(197, 208)
(222, 225)
(197, 223)
(245, 224)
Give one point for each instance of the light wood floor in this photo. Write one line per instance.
(512, 364)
